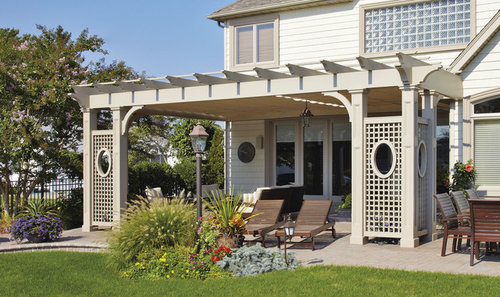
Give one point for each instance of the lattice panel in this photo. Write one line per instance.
(102, 198)
(383, 195)
(423, 182)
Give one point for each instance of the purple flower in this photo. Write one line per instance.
(44, 93)
(100, 122)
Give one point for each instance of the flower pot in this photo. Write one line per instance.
(230, 241)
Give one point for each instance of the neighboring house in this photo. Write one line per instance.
(378, 76)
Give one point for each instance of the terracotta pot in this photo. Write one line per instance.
(230, 241)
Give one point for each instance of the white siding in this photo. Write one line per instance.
(483, 72)
(308, 36)
(245, 177)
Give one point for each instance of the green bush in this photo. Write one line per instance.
(186, 170)
(152, 174)
(256, 260)
(71, 209)
(463, 177)
(347, 202)
(147, 227)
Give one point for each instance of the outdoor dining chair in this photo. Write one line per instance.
(312, 220)
(485, 221)
(450, 220)
(472, 194)
(461, 202)
(264, 219)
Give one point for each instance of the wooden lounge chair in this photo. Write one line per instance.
(485, 221)
(267, 214)
(450, 220)
(312, 220)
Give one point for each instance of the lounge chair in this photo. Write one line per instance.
(264, 218)
(154, 193)
(485, 221)
(450, 220)
(312, 220)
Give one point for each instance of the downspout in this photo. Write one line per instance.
(220, 24)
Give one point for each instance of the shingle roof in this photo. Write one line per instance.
(251, 7)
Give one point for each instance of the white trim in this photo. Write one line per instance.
(422, 166)
(374, 162)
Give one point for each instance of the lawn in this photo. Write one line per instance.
(85, 274)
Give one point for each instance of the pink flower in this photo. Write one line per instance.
(469, 168)
(44, 93)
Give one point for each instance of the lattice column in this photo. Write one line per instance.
(103, 210)
(359, 112)
(429, 111)
(89, 124)
(409, 236)
(120, 157)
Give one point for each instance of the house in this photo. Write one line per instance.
(378, 76)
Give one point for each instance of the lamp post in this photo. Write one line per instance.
(289, 229)
(198, 141)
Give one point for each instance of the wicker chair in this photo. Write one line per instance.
(451, 222)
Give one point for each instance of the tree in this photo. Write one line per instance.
(40, 124)
(181, 142)
(149, 138)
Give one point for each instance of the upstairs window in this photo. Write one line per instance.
(418, 25)
(254, 44)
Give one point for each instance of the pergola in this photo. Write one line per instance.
(380, 100)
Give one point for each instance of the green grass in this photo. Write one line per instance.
(85, 274)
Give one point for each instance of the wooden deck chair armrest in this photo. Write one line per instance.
(450, 219)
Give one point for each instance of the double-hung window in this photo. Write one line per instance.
(254, 45)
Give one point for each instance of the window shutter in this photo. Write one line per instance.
(265, 42)
(244, 45)
(486, 155)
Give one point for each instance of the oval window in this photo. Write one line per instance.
(422, 159)
(103, 162)
(383, 159)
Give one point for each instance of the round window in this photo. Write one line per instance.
(103, 162)
(383, 159)
(422, 158)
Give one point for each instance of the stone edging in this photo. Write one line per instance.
(93, 248)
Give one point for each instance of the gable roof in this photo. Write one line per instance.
(242, 8)
(476, 45)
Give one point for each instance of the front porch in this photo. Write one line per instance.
(392, 113)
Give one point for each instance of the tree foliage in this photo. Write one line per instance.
(40, 124)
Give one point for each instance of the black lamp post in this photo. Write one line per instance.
(289, 229)
(198, 141)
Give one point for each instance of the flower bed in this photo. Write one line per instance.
(40, 228)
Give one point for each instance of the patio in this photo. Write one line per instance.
(425, 257)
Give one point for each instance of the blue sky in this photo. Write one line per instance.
(159, 37)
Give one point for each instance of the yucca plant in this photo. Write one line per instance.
(151, 226)
(227, 211)
(36, 207)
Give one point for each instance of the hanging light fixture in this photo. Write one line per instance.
(306, 115)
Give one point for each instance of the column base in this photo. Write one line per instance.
(86, 228)
(357, 239)
(409, 242)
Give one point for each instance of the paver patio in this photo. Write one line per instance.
(337, 251)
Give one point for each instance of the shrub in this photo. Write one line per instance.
(463, 177)
(256, 260)
(347, 202)
(36, 207)
(5, 222)
(207, 235)
(146, 227)
(40, 228)
(186, 170)
(152, 174)
(176, 263)
(71, 209)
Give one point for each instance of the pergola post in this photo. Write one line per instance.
(409, 96)
(120, 163)
(429, 111)
(89, 125)
(359, 112)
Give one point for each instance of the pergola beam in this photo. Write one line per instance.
(336, 68)
(210, 80)
(302, 71)
(238, 77)
(369, 64)
(269, 74)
